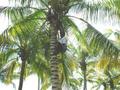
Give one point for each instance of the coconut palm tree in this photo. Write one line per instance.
(20, 44)
(14, 40)
(93, 51)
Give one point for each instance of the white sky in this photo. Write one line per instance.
(31, 82)
(3, 23)
(4, 2)
(3, 20)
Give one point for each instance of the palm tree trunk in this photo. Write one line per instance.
(22, 75)
(53, 59)
(39, 82)
(23, 55)
(85, 81)
(14, 86)
(84, 68)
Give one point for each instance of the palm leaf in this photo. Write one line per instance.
(7, 71)
(99, 41)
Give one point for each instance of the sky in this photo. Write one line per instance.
(3, 20)
(30, 82)
(3, 23)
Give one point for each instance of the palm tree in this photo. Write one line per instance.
(14, 40)
(110, 68)
(93, 51)
(21, 44)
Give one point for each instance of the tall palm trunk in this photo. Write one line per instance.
(85, 81)
(53, 58)
(83, 68)
(14, 86)
(21, 75)
(54, 61)
(39, 82)
(24, 59)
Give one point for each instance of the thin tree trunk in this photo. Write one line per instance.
(23, 55)
(84, 73)
(53, 59)
(22, 75)
(85, 81)
(39, 82)
(14, 86)
(84, 68)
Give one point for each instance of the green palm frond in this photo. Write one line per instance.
(113, 5)
(90, 10)
(2, 59)
(23, 28)
(79, 40)
(104, 63)
(79, 5)
(67, 66)
(7, 71)
(99, 42)
(64, 69)
(41, 66)
(75, 84)
(69, 24)
(16, 14)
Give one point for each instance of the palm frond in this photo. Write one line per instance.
(8, 71)
(113, 5)
(23, 28)
(90, 10)
(99, 41)
(16, 14)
